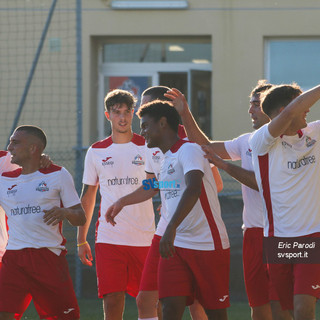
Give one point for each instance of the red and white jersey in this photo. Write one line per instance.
(287, 169)
(239, 149)
(154, 158)
(119, 169)
(24, 197)
(5, 165)
(203, 228)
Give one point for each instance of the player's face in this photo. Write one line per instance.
(258, 117)
(300, 121)
(19, 147)
(150, 131)
(120, 117)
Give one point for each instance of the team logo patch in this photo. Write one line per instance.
(156, 156)
(170, 169)
(12, 190)
(138, 161)
(249, 152)
(42, 187)
(310, 142)
(107, 161)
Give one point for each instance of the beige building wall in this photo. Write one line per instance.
(238, 30)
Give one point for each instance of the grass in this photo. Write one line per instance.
(91, 309)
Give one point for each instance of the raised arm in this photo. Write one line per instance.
(143, 193)
(298, 106)
(188, 199)
(180, 103)
(242, 175)
(88, 201)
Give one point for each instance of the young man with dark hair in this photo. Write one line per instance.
(116, 166)
(34, 262)
(285, 159)
(261, 294)
(195, 246)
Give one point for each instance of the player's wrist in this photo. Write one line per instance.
(82, 244)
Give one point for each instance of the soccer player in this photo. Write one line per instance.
(34, 262)
(259, 290)
(285, 158)
(148, 296)
(116, 165)
(194, 248)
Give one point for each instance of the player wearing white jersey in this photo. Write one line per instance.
(116, 165)
(206, 231)
(285, 153)
(32, 198)
(260, 292)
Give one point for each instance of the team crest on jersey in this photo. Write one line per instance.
(170, 169)
(107, 161)
(138, 161)
(249, 152)
(12, 190)
(42, 187)
(310, 142)
(156, 156)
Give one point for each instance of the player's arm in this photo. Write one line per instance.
(301, 104)
(88, 201)
(143, 193)
(190, 196)
(246, 177)
(75, 215)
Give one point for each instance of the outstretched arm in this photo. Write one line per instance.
(298, 106)
(242, 175)
(187, 201)
(143, 193)
(180, 103)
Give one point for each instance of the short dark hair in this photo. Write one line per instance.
(34, 131)
(156, 93)
(261, 86)
(279, 96)
(158, 109)
(119, 96)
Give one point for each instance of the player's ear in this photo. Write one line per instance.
(163, 122)
(106, 113)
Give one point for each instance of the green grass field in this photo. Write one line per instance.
(91, 309)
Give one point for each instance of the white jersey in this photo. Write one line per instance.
(287, 169)
(5, 165)
(119, 168)
(154, 158)
(24, 197)
(239, 149)
(202, 228)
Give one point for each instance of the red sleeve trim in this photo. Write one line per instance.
(103, 143)
(138, 140)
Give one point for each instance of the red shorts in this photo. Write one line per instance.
(256, 278)
(119, 268)
(32, 272)
(203, 275)
(292, 279)
(149, 279)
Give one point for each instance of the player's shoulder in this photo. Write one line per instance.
(138, 140)
(52, 168)
(183, 145)
(12, 174)
(3, 153)
(102, 144)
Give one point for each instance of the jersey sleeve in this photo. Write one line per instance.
(148, 163)
(261, 141)
(191, 158)
(68, 193)
(5, 162)
(90, 175)
(233, 147)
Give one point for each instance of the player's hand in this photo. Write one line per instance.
(213, 157)
(178, 100)
(85, 255)
(54, 215)
(45, 161)
(166, 243)
(113, 211)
